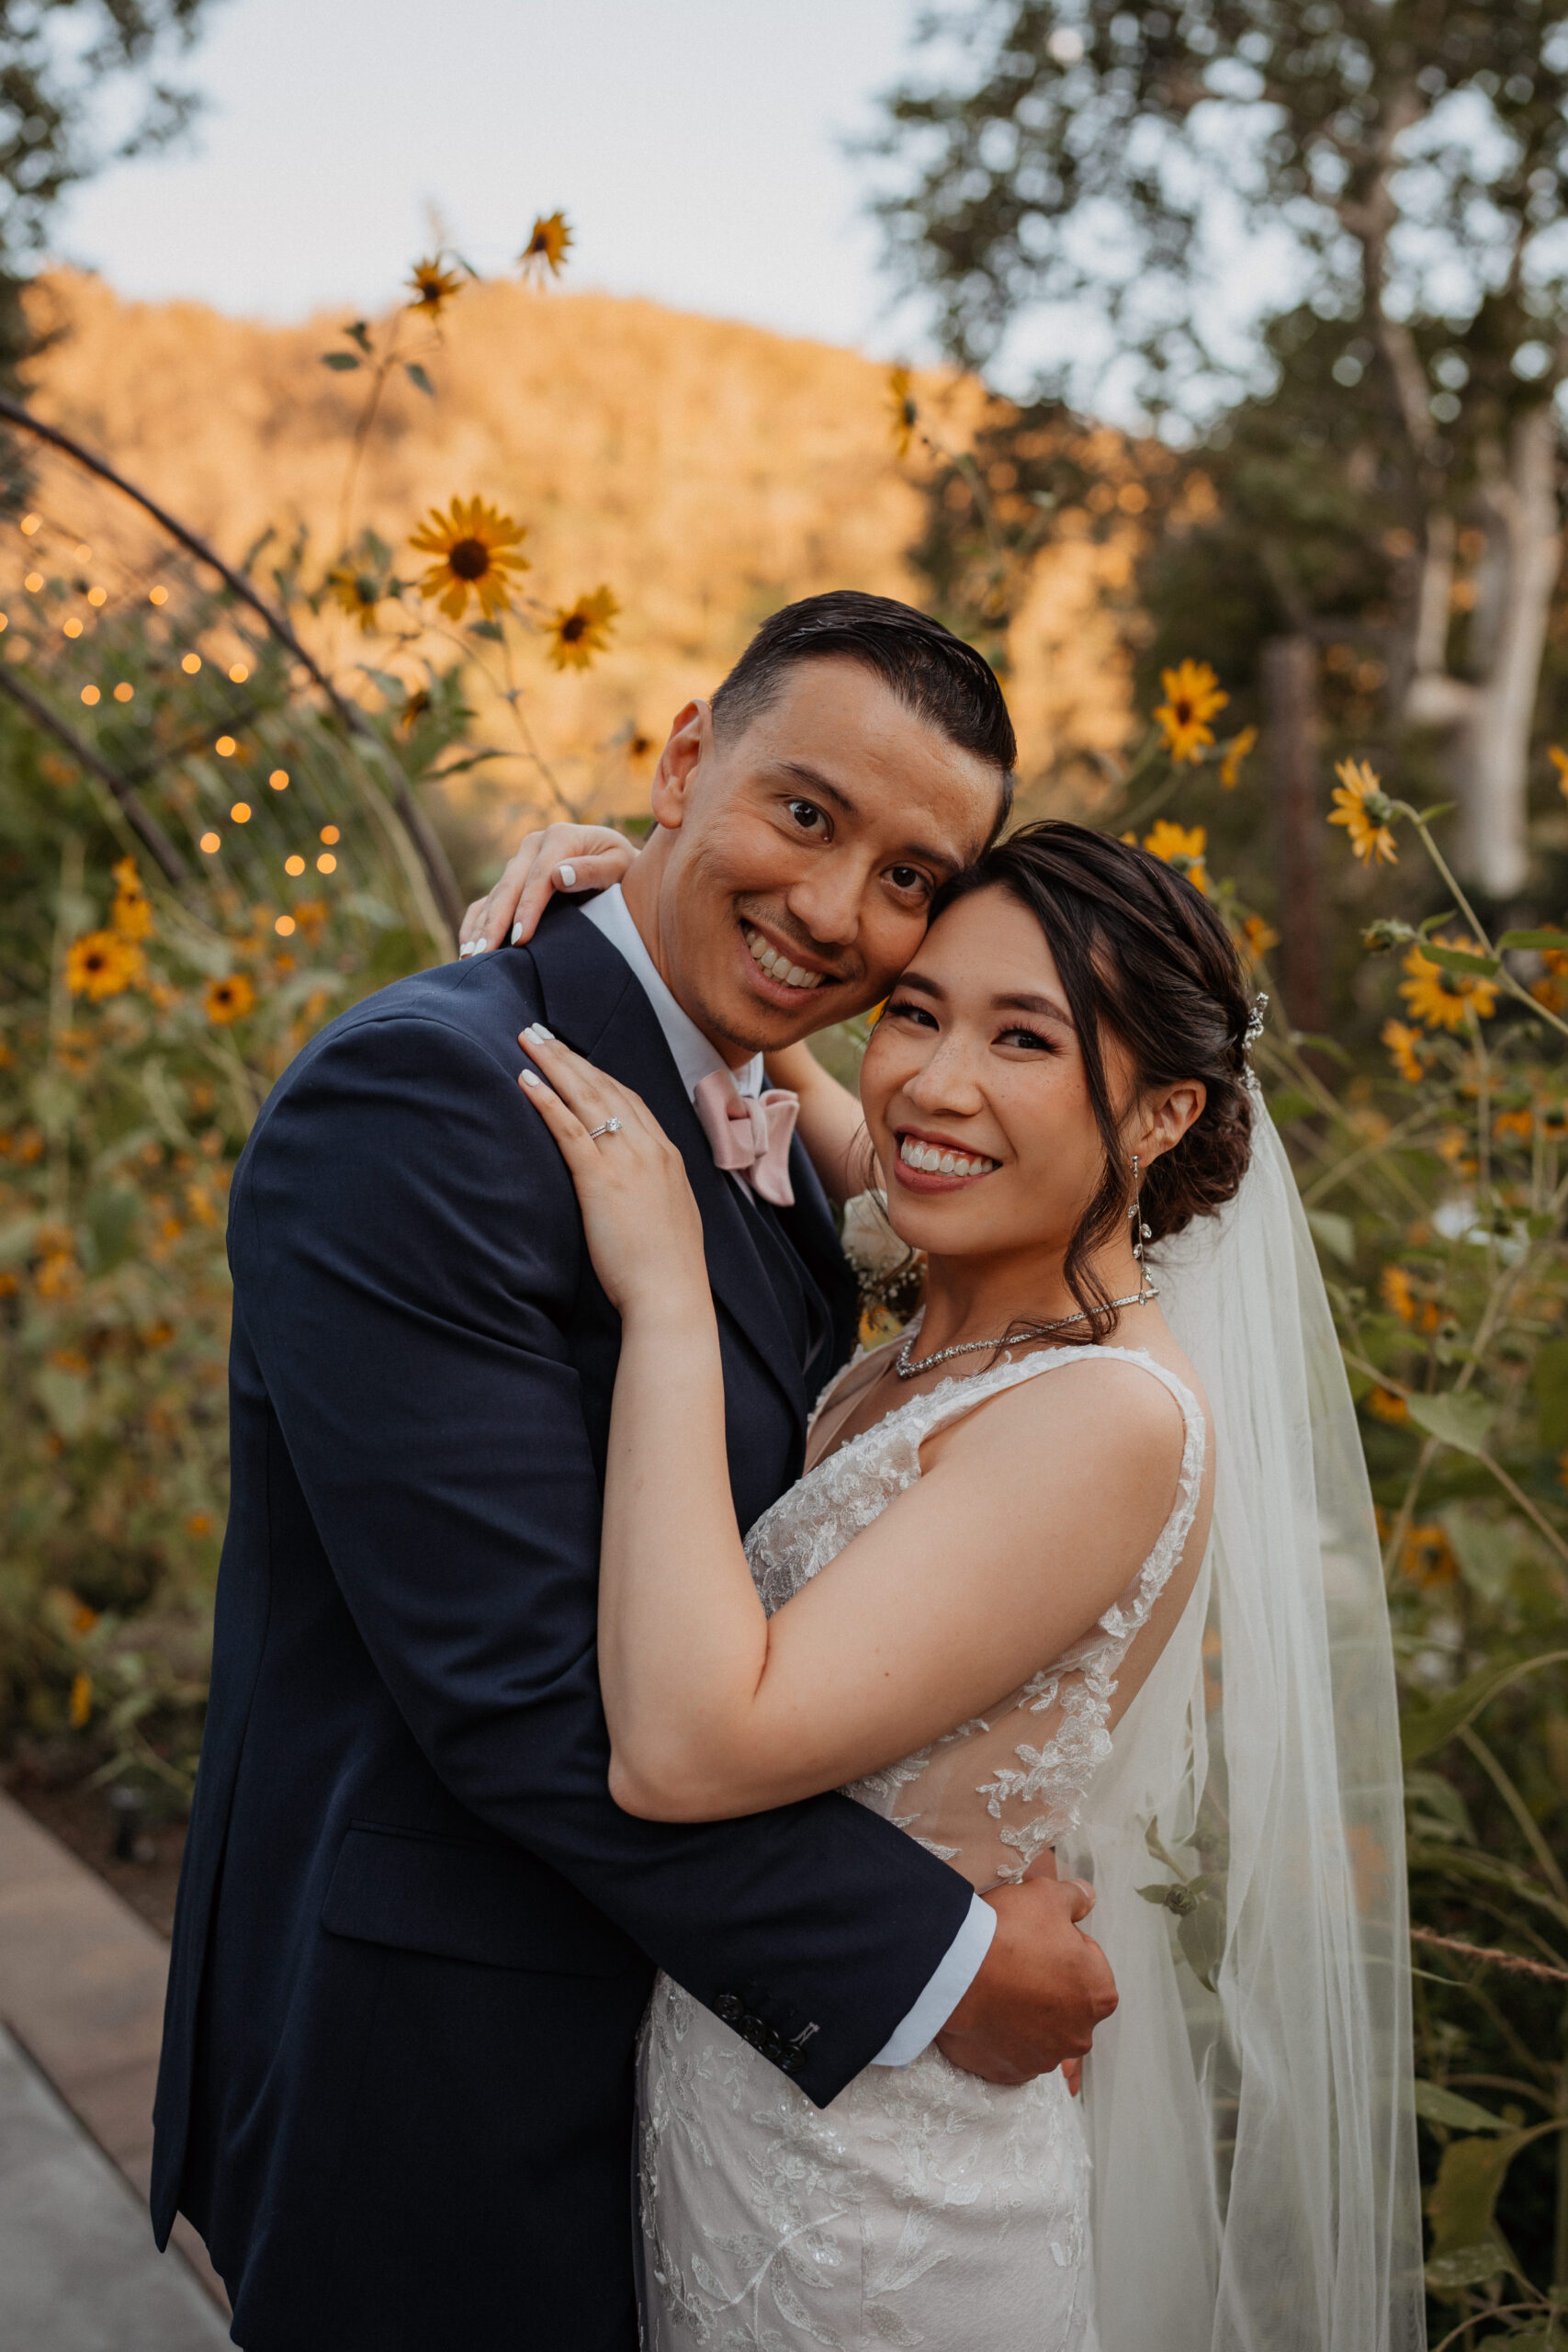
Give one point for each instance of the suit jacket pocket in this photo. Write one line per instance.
(501, 1909)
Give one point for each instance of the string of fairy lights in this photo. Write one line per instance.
(224, 746)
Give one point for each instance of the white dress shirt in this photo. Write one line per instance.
(695, 1056)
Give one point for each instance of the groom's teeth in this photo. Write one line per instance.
(777, 966)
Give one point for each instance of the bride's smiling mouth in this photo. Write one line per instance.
(783, 978)
(933, 1163)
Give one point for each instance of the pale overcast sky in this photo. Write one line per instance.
(695, 145)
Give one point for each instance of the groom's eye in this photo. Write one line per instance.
(908, 878)
(806, 815)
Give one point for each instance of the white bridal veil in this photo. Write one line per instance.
(1248, 2106)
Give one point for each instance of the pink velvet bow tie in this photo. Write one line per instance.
(750, 1134)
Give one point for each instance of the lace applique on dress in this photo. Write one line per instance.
(924, 2206)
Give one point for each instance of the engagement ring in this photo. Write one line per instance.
(610, 1127)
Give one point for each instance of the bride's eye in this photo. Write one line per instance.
(910, 1010)
(1031, 1040)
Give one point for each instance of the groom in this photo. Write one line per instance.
(414, 1935)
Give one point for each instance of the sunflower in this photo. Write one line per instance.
(1427, 1557)
(1398, 1293)
(576, 636)
(1388, 1406)
(360, 593)
(1362, 807)
(543, 255)
(903, 414)
(228, 1000)
(475, 546)
(1559, 759)
(131, 915)
(1518, 1123)
(1181, 846)
(416, 701)
(1258, 937)
(1443, 1000)
(1402, 1042)
(1236, 751)
(1193, 697)
(432, 287)
(102, 964)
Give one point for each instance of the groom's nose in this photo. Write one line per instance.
(826, 902)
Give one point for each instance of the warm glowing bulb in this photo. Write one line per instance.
(240, 813)
(239, 673)
(123, 691)
(83, 553)
(294, 866)
(97, 595)
(90, 695)
(3, 622)
(284, 926)
(330, 835)
(72, 627)
(225, 747)
(157, 595)
(32, 523)
(278, 779)
(33, 583)
(191, 664)
(210, 843)
(326, 863)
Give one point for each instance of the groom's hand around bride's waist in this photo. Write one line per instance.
(1042, 1987)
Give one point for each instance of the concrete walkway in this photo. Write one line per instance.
(82, 1994)
(78, 2268)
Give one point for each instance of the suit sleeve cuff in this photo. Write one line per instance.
(953, 1978)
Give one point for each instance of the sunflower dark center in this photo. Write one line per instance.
(1184, 714)
(469, 558)
(574, 626)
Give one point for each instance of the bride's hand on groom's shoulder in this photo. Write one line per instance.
(642, 1224)
(569, 858)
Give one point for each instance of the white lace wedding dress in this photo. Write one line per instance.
(924, 2207)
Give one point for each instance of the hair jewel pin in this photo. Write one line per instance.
(1254, 1029)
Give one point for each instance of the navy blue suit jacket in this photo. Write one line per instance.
(414, 1935)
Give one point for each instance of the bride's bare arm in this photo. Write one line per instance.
(1027, 1527)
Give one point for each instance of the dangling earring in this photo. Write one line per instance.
(1140, 1235)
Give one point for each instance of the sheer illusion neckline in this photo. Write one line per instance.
(1002, 1376)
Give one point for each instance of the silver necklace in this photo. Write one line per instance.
(908, 1368)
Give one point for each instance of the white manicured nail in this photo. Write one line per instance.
(540, 1030)
(566, 876)
(516, 935)
(478, 947)
(529, 1079)
(467, 948)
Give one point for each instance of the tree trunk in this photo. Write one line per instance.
(1289, 698)
(1488, 717)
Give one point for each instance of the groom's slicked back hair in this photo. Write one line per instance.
(935, 674)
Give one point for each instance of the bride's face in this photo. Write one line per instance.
(975, 1063)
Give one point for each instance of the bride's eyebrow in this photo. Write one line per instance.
(1045, 1006)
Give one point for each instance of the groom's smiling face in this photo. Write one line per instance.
(791, 874)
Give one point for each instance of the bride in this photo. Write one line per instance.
(1080, 1576)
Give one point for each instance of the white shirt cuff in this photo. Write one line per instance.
(953, 1978)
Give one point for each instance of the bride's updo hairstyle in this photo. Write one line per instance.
(1145, 960)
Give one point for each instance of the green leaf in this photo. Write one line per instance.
(358, 330)
(491, 629)
(1201, 1935)
(1455, 1416)
(1334, 1233)
(1536, 939)
(1290, 1104)
(343, 362)
(1436, 2105)
(1456, 959)
(1438, 808)
(1487, 1551)
(1466, 1865)
(1466, 2266)
(66, 1398)
(1549, 1378)
(1428, 1724)
(1546, 2335)
(418, 378)
(1463, 2198)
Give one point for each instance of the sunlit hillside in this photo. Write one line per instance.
(706, 471)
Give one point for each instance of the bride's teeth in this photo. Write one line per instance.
(947, 1164)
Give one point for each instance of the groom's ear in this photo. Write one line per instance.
(691, 743)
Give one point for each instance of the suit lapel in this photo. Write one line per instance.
(595, 1004)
